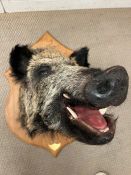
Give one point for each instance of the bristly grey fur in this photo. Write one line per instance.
(41, 96)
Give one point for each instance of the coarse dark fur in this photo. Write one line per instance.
(45, 75)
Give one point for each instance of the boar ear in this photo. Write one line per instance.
(81, 56)
(19, 59)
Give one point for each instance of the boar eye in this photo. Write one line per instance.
(42, 71)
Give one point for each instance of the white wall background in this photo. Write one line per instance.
(44, 5)
(1, 8)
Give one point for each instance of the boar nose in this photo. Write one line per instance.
(108, 88)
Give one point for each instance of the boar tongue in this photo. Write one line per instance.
(91, 117)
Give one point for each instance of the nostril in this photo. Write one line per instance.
(104, 87)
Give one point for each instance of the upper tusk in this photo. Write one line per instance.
(103, 111)
(66, 96)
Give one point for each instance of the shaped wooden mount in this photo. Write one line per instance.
(53, 144)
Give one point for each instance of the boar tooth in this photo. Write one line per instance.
(66, 96)
(104, 130)
(103, 111)
(72, 112)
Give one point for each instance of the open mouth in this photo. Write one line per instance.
(90, 119)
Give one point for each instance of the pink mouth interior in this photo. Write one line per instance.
(91, 117)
